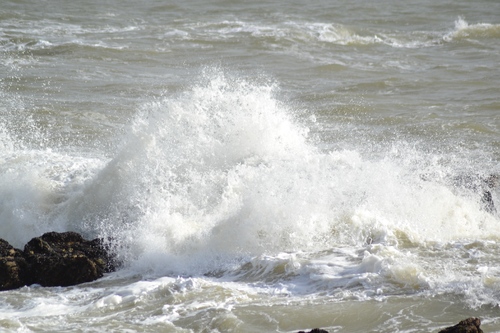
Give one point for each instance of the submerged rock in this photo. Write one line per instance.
(469, 325)
(484, 185)
(54, 259)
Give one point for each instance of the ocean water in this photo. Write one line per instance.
(264, 166)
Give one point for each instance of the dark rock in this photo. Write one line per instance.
(54, 259)
(469, 325)
(480, 184)
(315, 330)
(14, 270)
(65, 259)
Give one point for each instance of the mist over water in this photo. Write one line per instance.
(284, 168)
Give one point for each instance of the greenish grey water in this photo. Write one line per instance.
(260, 166)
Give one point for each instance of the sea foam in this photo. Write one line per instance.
(225, 172)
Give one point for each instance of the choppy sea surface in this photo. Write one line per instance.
(263, 166)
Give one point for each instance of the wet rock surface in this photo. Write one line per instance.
(14, 271)
(54, 259)
(469, 325)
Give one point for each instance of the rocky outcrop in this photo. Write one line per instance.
(315, 330)
(54, 259)
(469, 325)
(14, 271)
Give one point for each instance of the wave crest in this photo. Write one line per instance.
(464, 30)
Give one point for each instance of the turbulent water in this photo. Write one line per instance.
(265, 166)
